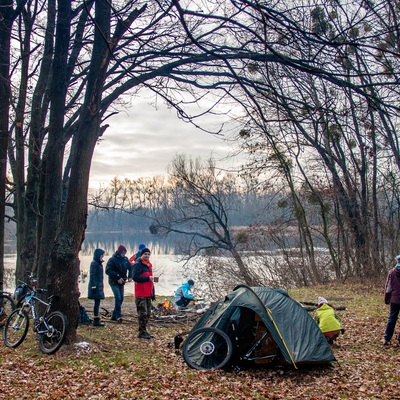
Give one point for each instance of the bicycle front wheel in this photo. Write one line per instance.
(7, 306)
(16, 328)
(207, 348)
(52, 332)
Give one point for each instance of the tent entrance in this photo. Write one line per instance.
(254, 343)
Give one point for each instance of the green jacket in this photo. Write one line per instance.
(326, 319)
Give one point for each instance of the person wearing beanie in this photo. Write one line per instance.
(138, 254)
(392, 297)
(96, 285)
(183, 295)
(118, 267)
(144, 290)
(327, 320)
(322, 300)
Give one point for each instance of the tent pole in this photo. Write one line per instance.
(277, 329)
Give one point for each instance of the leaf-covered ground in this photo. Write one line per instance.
(112, 363)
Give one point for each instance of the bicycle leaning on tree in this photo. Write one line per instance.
(51, 327)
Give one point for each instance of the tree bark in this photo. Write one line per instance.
(65, 264)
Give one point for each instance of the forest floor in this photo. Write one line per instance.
(112, 363)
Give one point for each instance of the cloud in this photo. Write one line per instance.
(144, 140)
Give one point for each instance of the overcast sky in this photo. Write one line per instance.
(144, 141)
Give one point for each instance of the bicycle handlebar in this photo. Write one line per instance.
(32, 288)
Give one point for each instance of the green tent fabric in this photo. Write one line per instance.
(295, 332)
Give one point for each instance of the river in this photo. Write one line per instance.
(166, 264)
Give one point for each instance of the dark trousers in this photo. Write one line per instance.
(143, 307)
(96, 308)
(183, 302)
(391, 324)
(118, 291)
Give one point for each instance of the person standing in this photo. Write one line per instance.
(392, 297)
(144, 291)
(183, 295)
(96, 285)
(118, 267)
(138, 254)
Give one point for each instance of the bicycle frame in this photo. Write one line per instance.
(247, 355)
(30, 302)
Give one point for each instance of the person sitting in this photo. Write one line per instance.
(327, 320)
(182, 295)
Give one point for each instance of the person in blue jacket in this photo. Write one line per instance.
(183, 295)
(137, 255)
(96, 285)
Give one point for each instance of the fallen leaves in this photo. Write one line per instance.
(114, 364)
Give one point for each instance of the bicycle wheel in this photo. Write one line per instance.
(55, 330)
(207, 348)
(16, 328)
(7, 306)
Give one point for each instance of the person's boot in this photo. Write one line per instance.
(96, 322)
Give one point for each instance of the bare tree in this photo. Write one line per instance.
(200, 207)
(318, 84)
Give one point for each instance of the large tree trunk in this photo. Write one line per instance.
(54, 155)
(63, 275)
(65, 261)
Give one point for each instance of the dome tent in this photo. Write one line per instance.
(287, 334)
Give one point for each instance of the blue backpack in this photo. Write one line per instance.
(83, 315)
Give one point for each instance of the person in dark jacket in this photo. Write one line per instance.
(392, 297)
(144, 291)
(118, 267)
(96, 285)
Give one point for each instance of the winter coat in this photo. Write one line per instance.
(392, 286)
(327, 320)
(142, 271)
(96, 285)
(117, 267)
(183, 291)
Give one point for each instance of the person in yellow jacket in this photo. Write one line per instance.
(327, 320)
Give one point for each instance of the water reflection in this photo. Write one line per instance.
(165, 262)
(109, 241)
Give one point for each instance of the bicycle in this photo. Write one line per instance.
(211, 348)
(51, 327)
(7, 306)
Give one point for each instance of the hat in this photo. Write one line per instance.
(322, 300)
(121, 249)
(190, 282)
(145, 250)
(142, 246)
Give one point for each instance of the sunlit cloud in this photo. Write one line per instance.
(143, 141)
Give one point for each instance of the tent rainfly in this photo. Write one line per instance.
(225, 334)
